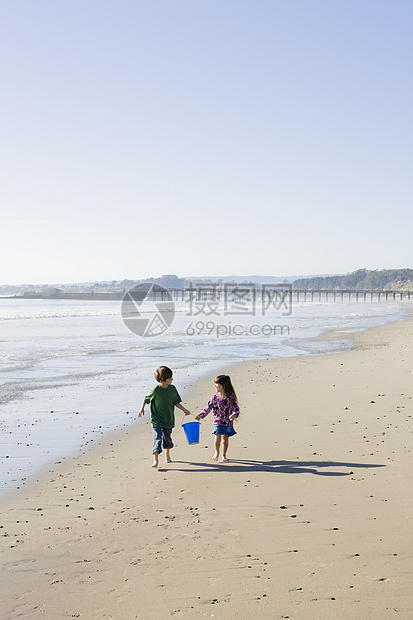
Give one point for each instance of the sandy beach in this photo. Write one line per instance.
(310, 519)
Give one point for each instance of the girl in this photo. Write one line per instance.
(225, 409)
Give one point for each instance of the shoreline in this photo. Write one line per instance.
(68, 409)
(125, 418)
(310, 519)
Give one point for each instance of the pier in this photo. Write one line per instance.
(350, 296)
(289, 294)
(284, 292)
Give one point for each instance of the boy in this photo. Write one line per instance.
(163, 398)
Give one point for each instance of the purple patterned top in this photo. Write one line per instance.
(222, 408)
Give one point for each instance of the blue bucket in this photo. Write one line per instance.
(191, 430)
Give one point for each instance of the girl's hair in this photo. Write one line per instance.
(162, 373)
(225, 381)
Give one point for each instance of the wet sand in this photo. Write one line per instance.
(310, 519)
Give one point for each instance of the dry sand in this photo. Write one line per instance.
(311, 518)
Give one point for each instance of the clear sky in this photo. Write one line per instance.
(204, 137)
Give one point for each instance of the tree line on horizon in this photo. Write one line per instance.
(361, 280)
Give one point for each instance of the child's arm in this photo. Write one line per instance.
(142, 410)
(205, 411)
(182, 408)
(235, 413)
(148, 399)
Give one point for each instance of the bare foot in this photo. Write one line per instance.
(155, 465)
(224, 459)
(168, 460)
(215, 457)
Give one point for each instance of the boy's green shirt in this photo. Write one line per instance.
(163, 401)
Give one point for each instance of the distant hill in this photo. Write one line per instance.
(170, 281)
(251, 278)
(361, 280)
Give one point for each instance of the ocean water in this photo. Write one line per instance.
(71, 371)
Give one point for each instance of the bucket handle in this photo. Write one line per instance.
(185, 416)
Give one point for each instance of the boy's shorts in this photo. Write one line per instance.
(162, 439)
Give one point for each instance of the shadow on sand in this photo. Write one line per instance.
(319, 468)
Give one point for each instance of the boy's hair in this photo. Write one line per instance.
(225, 381)
(162, 373)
